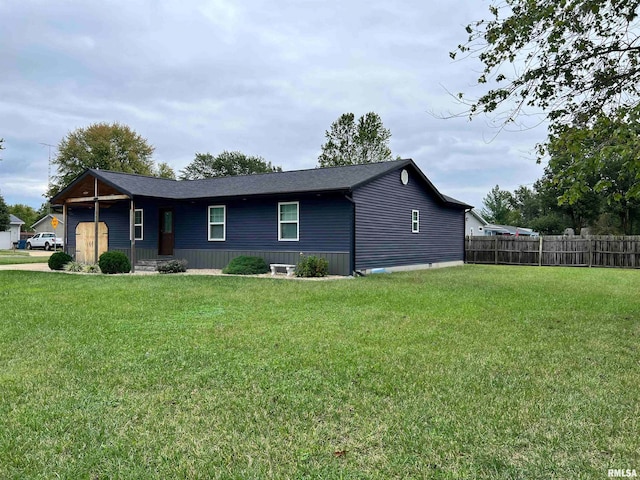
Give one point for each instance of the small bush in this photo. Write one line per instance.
(78, 267)
(74, 267)
(114, 262)
(173, 266)
(312, 267)
(58, 260)
(245, 265)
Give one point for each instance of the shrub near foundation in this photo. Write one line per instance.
(312, 266)
(114, 262)
(58, 260)
(173, 266)
(246, 265)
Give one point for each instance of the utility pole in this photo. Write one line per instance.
(48, 173)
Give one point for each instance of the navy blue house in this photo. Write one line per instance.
(362, 217)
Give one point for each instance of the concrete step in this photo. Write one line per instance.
(151, 265)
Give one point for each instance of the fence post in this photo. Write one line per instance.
(590, 240)
(496, 248)
(540, 253)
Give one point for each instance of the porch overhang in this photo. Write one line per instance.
(89, 188)
(91, 191)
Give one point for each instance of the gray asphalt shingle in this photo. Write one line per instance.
(298, 181)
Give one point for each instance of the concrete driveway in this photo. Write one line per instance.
(31, 267)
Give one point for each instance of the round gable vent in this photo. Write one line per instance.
(404, 177)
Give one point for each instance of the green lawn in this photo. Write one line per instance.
(472, 372)
(16, 257)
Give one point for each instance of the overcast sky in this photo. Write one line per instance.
(264, 77)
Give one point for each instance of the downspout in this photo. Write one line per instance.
(352, 259)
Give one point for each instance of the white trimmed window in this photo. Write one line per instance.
(288, 221)
(415, 221)
(217, 223)
(138, 221)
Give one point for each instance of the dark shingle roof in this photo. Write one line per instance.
(298, 181)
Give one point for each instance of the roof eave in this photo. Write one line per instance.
(316, 191)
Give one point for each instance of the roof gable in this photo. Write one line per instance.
(13, 220)
(49, 216)
(417, 174)
(478, 217)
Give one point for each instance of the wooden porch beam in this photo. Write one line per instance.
(103, 198)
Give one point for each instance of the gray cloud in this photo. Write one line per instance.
(267, 78)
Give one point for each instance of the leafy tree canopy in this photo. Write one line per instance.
(591, 181)
(106, 146)
(226, 164)
(25, 213)
(498, 207)
(351, 143)
(570, 58)
(5, 219)
(602, 158)
(164, 170)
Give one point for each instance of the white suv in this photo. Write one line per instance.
(46, 240)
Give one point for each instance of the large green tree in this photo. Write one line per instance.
(1, 145)
(601, 158)
(570, 58)
(498, 207)
(555, 217)
(5, 219)
(226, 164)
(27, 214)
(352, 143)
(108, 146)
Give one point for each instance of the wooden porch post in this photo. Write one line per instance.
(64, 228)
(132, 229)
(96, 219)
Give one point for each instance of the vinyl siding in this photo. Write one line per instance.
(116, 217)
(383, 224)
(325, 227)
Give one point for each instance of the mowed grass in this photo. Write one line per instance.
(470, 372)
(16, 257)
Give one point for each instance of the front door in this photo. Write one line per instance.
(165, 244)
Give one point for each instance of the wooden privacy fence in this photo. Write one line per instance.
(592, 251)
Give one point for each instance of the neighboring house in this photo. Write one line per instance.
(362, 217)
(474, 224)
(509, 230)
(8, 238)
(45, 225)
